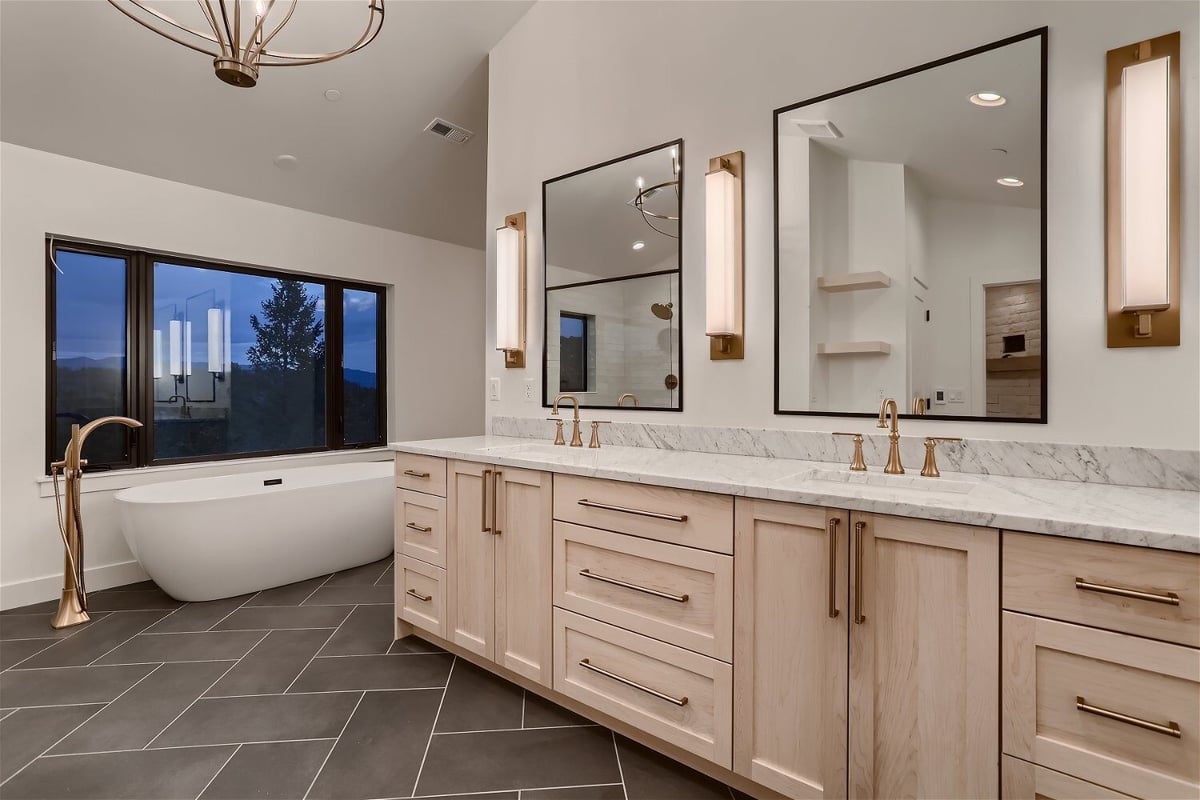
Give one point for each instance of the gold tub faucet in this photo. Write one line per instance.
(576, 439)
(894, 467)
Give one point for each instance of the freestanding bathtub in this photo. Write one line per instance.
(207, 538)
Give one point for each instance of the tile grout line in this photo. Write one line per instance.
(319, 588)
(620, 769)
(433, 728)
(324, 644)
(320, 691)
(59, 741)
(333, 746)
(201, 695)
(514, 730)
(524, 695)
(218, 772)
(185, 747)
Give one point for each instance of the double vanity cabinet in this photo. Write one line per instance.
(802, 651)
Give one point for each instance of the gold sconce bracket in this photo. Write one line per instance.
(733, 348)
(1147, 325)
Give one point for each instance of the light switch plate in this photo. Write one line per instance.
(494, 390)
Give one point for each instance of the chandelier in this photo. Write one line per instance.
(644, 193)
(238, 41)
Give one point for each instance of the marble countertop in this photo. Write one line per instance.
(1161, 518)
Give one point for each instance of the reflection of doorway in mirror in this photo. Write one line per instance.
(1013, 349)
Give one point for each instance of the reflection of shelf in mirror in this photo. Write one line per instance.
(853, 281)
(853, 348)
(1014, 363)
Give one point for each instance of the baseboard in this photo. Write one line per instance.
(37, 590)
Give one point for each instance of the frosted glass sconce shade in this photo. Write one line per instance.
(1143, 194)
(724, 276)
(216, 337)
(175, 346)
(510, 290)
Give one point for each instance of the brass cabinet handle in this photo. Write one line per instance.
(412, 526)
(495, 494)
(1170, 729)
(637, 511)
(412, 473)
(832, 526)
(859, 617)
(678, 598)
(424, 598)
(1168, 598)
(679, 701)
(483, 519)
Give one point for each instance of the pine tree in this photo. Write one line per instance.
(292, 337)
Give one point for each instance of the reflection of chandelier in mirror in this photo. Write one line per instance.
(644, 193)
(238, 42)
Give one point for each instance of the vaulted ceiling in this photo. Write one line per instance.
(80, 79)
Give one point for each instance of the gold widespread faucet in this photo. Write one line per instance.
(576, 439)
(857, 464)
(631, 396)
(894, 467)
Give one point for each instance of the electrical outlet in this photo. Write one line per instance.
(494, 390)
(955, 395)
(882, 394)
(529, 390)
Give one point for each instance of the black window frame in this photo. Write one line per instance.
(139, 389)
(585, 321)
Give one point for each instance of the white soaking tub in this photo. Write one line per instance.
(207, 538)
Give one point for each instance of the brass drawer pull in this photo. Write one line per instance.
(412, 473)
(412, 526)
(859, 617)
(483, 518)
(1170, 729)
(679, 701)
(639, 512)
(832, 579)
(678, 598)
(1168, 598)
(424, 598)
(495, 498)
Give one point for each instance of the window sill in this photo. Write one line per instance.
(125, 478)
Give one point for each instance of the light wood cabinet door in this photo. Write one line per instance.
(524, 540)
(471, 558)
(924, 659)
(790, 647)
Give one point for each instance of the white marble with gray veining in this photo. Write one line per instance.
(1121, 466)
(1147, 517)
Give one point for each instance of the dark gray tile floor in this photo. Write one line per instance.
(294, 692)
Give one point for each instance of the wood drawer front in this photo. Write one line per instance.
(421, 595)
(703, 725)
(421, 473)
(1021, 780)
(694, 519)
(421, 526)
(1050, 665)
(1040, 575)
(697, 614)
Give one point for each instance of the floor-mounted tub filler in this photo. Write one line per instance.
(208, 538)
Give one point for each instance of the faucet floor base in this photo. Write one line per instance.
(69, 613)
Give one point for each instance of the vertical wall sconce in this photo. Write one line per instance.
(1142, 193)
(510, 290)
(723, 257)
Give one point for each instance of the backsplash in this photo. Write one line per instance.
(1122, 466)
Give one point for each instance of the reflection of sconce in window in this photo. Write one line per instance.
(158, 366)
(723, 256)
(1143, 220)
(175, 346)
(510, 290)
(216, 338)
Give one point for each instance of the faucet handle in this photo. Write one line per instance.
(930, 470)
(858, 464)
(595, 440)
(558, 430)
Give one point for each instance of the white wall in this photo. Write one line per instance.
(576, 83)
(435, 368)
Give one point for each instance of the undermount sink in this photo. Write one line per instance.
(535, 449)
(906, 482)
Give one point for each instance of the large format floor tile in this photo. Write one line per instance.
(476, 700)
(279, 617)
(14, 652)
(293, 594)
(96, 639)
(67, 685)
(352, 673)
(650, 776)
(351, 595)
(366, 575)
(367, 631)
(269, 718)
(210, 646)
(279, 770)
(28, 732)
(198, 616)
(273, 664)
(34, 626)
(179, 774)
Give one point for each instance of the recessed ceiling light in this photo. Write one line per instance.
(638, 245)
(286, 162)
(988, 99)
(1010, 181)
(333, 95)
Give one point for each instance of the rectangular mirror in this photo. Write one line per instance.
(910, 241)
(612, 269)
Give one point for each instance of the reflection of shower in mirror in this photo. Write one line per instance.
(663, 310)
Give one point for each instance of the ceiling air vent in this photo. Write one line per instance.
(449, 131)
(817, 128)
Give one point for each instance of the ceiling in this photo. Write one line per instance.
(925, 122)
(591, 226)
(80, 79)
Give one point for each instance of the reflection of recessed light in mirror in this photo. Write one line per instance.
(988, 99)
(638, 245)
(1010, 181)
(286, 163)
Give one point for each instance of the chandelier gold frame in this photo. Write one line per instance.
(237, 60)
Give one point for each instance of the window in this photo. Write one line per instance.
(572, 364)
(218, 361)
